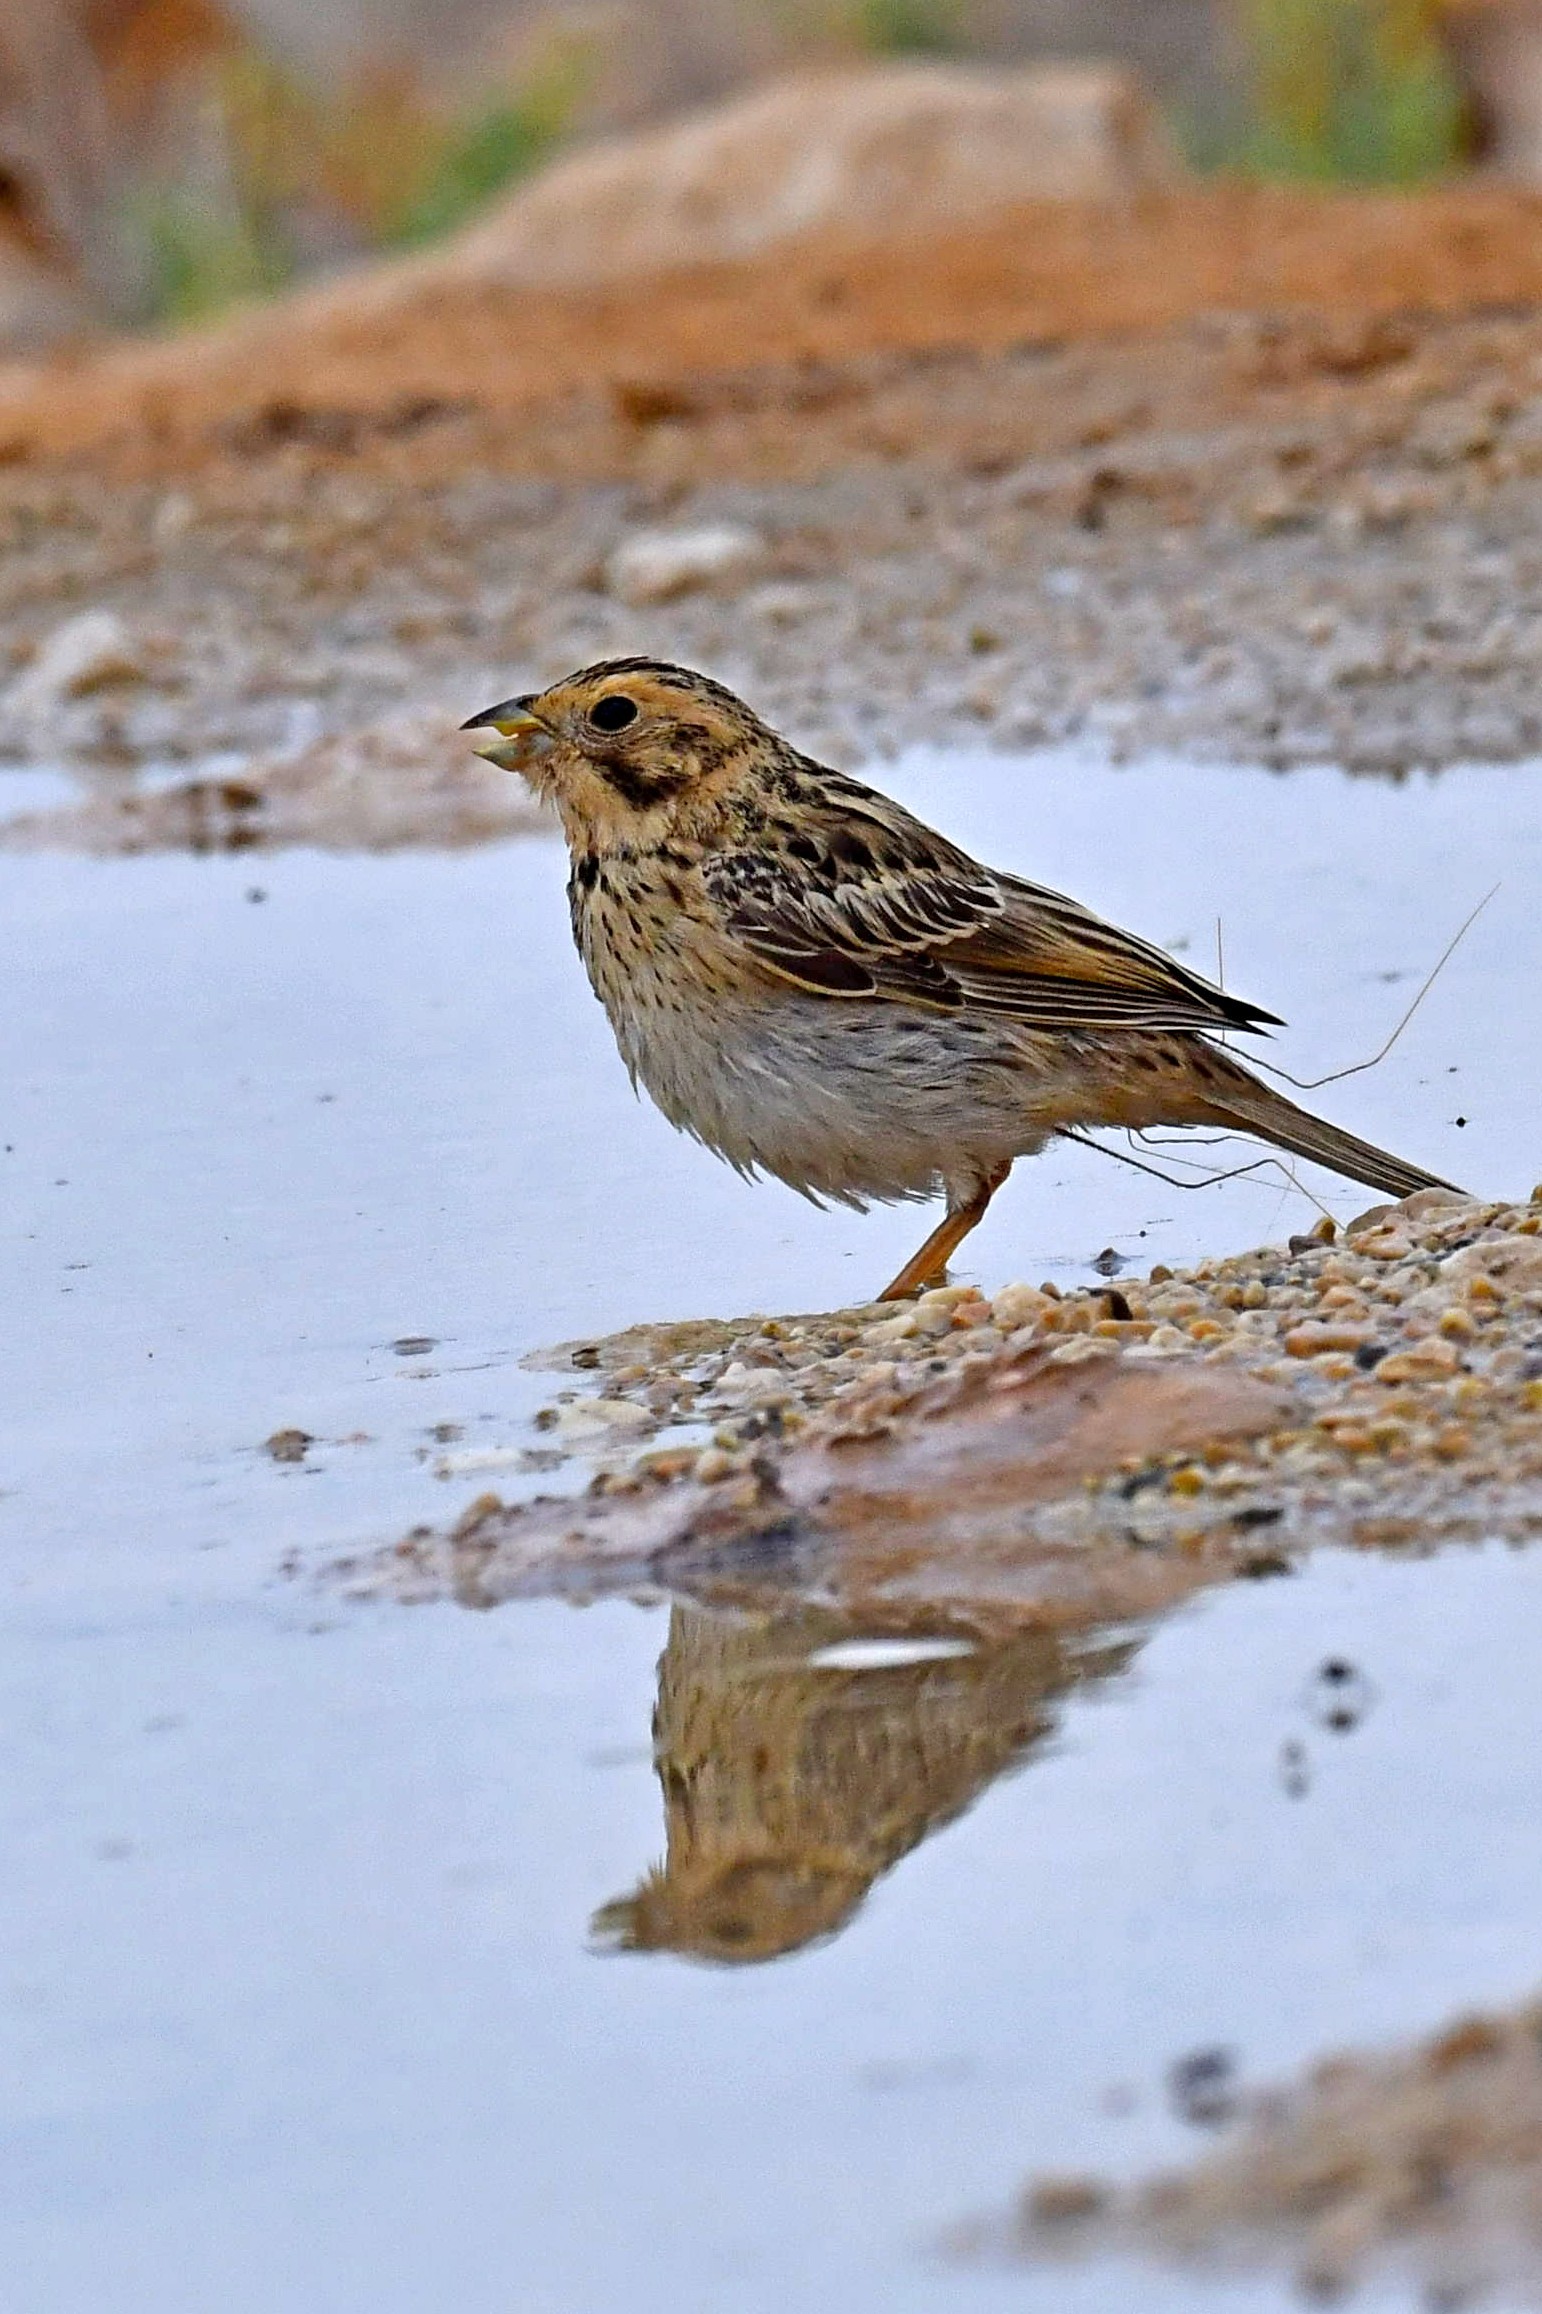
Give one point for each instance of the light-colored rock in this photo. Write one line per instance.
(83, 655)
(656, 566)
(1513, 1263)
(879, 150)
(588, 1416)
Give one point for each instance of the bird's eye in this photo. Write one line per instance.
(613, 713)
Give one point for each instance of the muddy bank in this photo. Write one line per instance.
(1424, 2165)
(1047, 1458)
(403, 351)
(1302, 533)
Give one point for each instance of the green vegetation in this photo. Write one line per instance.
(1348, 92)
(291, 177)
(200, 261)
(910, 27)
(475, 159)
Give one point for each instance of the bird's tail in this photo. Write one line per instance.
(1239, 1099)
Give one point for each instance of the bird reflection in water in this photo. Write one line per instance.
(792, 1781)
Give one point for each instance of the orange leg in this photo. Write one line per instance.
(929, 1267)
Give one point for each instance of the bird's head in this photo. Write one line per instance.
(621, 748)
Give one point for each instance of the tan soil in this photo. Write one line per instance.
(409, 348)
(1243, 473)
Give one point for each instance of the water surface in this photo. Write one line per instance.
(305, 1999)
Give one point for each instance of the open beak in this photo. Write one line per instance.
(522, 737)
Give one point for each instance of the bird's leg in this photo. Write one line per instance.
(929, 1267)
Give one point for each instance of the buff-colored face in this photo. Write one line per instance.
(617, 743)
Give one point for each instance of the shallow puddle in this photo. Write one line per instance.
(312, 1991)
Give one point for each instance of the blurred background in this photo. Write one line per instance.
(163, 160)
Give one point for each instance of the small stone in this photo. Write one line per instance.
(1470, 2041)
(83, 655)
(1317, 1335)
(671, 1462)
(892, 1329)
(1374, 1217)
(596, 1414)
(1424, 1201)
(472, 1458)
(1080, 1348)
(658, 566)
(1424, 1362)
(1385, 1245)
(1457, 1324)
(1513, 1264)
(1019, 1305)
(1064, 2201)
(289, 1445)
(174, 516)
(715, 1463)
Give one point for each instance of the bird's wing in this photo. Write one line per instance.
(864, 901)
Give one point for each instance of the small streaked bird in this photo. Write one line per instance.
(818, 986)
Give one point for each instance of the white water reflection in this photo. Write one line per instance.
(299, 2003)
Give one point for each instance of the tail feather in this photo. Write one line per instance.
(1258, 1108)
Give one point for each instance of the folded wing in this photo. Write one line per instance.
(861, 900)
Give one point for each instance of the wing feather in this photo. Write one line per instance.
(858, 899)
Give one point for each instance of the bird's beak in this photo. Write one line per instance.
(522, 737)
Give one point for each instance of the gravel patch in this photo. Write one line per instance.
(1382, 1388)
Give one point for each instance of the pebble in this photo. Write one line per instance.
(1316, 1335)
(1406, 1346)
(658, 566)
(591, 1414)
(83, 655)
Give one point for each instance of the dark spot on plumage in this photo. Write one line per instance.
(852, 851)
(803, 848)
(634, 785)
(829, 969)
(586, 872)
